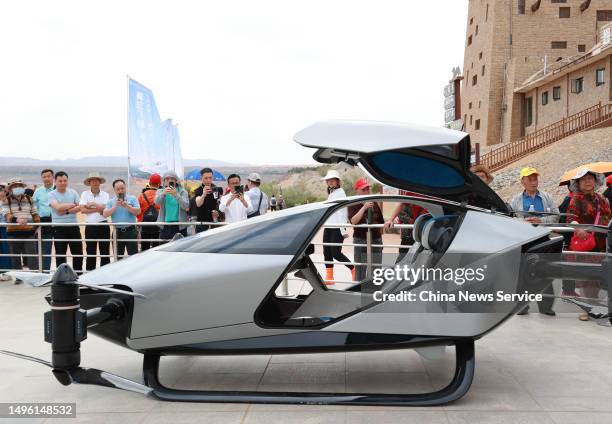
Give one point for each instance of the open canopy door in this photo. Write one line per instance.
(430, 161)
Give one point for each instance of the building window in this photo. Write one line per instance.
(471, 119)
(476, 29)
(521, 7)
(475, 80)
(600, 76)
(564, 12)
(480, 56)
(470, 105)
(558, 1)
(558, 44)
(545, 98)
(479, 103)
(471, 21)
(477, 125)
(577, 85)
(581, 48)
(528, 111)
(483, 70)
(557, 93)
(487, 13)
(604, 15)
(470, 40)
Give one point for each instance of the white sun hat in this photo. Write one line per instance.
(332, 173)
(599, 178)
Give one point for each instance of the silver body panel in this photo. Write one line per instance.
(196, 298)
(499, 238)
(373, 136)
(188, 292)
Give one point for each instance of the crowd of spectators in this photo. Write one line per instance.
(163, 209)
(584, 204)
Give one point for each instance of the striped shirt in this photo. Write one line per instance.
(14, 209)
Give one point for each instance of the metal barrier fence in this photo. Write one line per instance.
(114, 240)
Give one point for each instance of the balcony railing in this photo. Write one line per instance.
(509, 153)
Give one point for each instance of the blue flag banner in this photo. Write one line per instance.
(153, 146)
(173, 146)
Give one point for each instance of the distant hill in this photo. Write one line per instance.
(103, 161)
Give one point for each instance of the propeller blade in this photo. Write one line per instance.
(98, 377)
(602, 229)
(34, 279)
(112, 290)
(91, 376)
(26, 357)
(594, 309)
(37, 279)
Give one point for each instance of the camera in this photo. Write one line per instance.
(121, 196)
(171, 184)
(239, 189)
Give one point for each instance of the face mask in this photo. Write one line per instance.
(18, 191)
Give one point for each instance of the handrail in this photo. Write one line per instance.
(115, 256)
(509, 153)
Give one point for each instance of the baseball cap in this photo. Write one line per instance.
(525, 172)
(361, 183)
(155, 179)
(609, 180)
(255, 177)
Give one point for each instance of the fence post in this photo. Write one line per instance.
(115, 256)
(285, 288)
(40, 252)
(369, 245)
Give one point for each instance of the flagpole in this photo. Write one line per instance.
(128, 132)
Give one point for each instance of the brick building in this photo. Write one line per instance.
(508, 42)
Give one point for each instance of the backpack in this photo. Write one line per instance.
(150, 215)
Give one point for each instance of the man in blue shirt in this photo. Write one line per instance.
(123, 210)
(532, 200)
(527, 204)
(64, 203)
(41, 200)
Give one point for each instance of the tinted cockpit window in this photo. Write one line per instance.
(450, 151)
(281, 236)
(411, 169)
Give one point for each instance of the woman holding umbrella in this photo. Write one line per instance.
(588, 207)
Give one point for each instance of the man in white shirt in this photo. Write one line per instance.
(259, 199)
(93, 202)
(235, 205)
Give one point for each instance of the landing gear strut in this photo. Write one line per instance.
(460, 384)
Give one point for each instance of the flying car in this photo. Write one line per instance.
(216, 292)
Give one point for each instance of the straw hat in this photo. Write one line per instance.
(94, 176)
(14, 181)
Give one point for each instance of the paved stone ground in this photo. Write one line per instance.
(533, 369)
